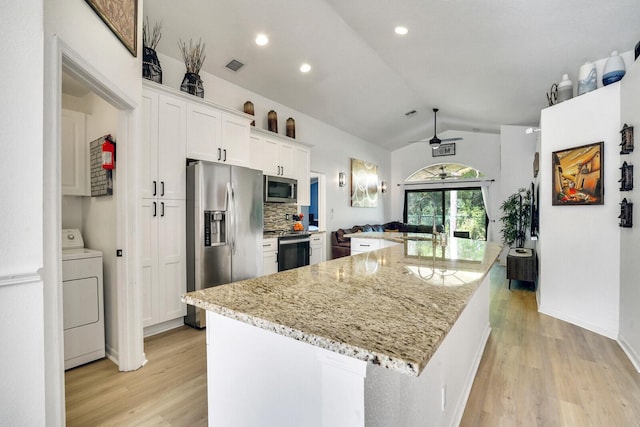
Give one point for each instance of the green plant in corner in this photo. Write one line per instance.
(516, 217)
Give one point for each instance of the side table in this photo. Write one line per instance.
(522, 264)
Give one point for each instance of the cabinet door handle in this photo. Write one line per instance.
(225, 155)
(162, 186)
(154, 209)
(219, 154)
(154, 188)
(162, 205)
(310, 251)
(280, 170)
(364, 246)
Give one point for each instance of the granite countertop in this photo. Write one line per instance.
(392, 307)
(393, 236)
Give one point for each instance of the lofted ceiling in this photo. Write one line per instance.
(484, 63)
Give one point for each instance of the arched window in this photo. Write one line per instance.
(446, 172)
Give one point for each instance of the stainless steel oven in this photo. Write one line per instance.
(293, 251)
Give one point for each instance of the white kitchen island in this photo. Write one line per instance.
(385, 338)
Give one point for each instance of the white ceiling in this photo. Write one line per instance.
(484, 63)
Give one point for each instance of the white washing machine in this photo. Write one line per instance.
(83, 301)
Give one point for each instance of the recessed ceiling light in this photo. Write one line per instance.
(305, 68)
(401, 31)
(262, 39)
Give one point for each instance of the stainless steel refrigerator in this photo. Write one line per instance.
(224, 228)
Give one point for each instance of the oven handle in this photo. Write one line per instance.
(293, 241)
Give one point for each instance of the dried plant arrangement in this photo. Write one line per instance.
(193, 56)
(151, 40)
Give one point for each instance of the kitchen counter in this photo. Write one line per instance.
(365, 340)
(392, 307)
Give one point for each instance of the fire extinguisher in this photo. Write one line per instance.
(108, 153)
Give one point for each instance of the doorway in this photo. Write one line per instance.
(129, 353)
(317, 208)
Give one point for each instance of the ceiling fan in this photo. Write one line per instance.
(435, 141)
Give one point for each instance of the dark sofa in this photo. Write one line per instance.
(341, 246)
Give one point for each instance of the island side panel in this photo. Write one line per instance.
(258, 378)
(439, 395)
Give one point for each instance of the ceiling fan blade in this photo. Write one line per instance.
(451, 139)
(420, 140)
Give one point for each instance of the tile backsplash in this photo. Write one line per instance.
(275, 216)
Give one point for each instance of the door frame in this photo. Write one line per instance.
(59, 56)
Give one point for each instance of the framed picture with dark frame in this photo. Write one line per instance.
(578, 175)
(448, 149)
(121, 16)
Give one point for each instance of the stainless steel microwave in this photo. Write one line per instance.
(280, 190)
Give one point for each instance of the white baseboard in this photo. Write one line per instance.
(163, 327)
(630, 352)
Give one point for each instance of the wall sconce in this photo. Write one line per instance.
(342, 179)
(383, 186)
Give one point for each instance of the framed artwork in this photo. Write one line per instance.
(364, 184)
(578, 175)
(448, 149)
(121, 16)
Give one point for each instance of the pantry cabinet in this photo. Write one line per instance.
(162, 259)
(162, 154)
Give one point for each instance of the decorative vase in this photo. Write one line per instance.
(614, 69)
(291, 128)
(587, 78)
(565, 89)
(151, 69)
(192, 84)
(272, 121)
(248, 109)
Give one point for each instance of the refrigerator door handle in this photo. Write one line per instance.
(231, 232)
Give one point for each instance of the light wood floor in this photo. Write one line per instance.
(535, 371)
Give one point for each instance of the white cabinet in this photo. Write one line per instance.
(278, 156)
(162, 259)
(270, 255)
(217, 136)
(162, 231)
(162, 155)
(235, 140)
(204, 132)
(75, 154)
(301, 164)
(318, 248)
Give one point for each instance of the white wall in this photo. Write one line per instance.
(580, 245)
(22, 369)
(517, 150)
(331, 152)
(478, 150)
(629, 334)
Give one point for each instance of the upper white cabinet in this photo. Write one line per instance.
(204, 132)
(235, 143)
(281, 156)
(162, 159)
(75, 154)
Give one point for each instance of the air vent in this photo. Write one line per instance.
(234, 65)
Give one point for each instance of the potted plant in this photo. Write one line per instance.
(151, 68)
(193, 59)
(516, 217)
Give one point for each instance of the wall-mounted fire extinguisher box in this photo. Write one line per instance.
(108, 153)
